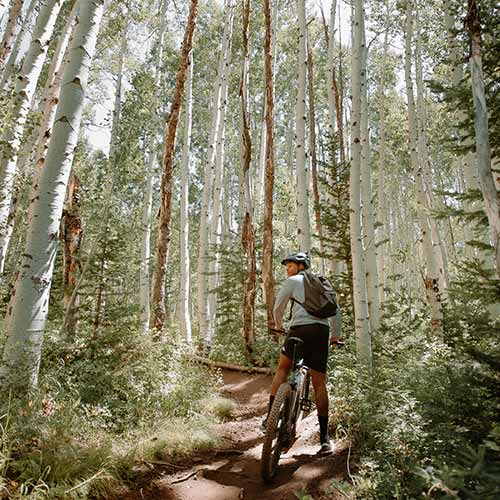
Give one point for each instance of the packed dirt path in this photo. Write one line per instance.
(233, 471)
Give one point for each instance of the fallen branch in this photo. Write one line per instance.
(229, 366)
(185, 478)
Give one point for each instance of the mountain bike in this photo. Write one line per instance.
(290, 403)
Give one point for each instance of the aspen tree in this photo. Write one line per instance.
(23, 94)
(248, 230)
(259, 178)
(361, 322)
(209, 173)
(423, 154)
(3, 7)
(100, 302)
(11, 29)
(367, 198)
(312, 147)
(267, 250)
(483, 152)
(185, 269)
(164, 230)
(381, 231)
(28, 310)
(144, 273)
(217, 215)
(303, 222)
(9, 66)
(431, 279)
(331, 70)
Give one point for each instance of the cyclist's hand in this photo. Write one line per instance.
(279, 331)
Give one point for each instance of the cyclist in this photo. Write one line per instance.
(315, 334)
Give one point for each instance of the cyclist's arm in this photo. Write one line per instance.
(284, 295)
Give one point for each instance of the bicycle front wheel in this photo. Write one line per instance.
(276, 432)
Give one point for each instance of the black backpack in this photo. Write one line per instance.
(319, 296)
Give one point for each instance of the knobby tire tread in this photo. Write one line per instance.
(268, 463)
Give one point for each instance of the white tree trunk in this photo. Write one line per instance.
(432, 280)
(381, 196)
(216, 222)
(361, 321)
(184, 295)
(9, 66)
(423, 155)
(303, 221)
(4, 4)
(23, 94)
(486, 182)
(367, 199)
(11, 30)
(331, 71)
(29, 305)
(209, 173)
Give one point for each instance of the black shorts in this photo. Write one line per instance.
(316, 342)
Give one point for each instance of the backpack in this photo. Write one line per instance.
(319, 296)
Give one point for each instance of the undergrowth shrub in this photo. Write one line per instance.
(103, 407)
(427, 424)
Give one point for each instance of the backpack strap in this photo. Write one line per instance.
(291, 308)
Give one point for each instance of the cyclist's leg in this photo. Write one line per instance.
(321, 395)
(284, 367)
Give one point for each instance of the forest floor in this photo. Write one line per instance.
(232, 471)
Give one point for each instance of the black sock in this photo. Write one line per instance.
(271, 401)
(323, 428)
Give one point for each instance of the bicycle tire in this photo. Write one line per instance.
(276, 424)
(303, 393)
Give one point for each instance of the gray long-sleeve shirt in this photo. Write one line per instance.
(293, 288)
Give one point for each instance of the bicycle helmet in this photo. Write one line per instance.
(299, 257)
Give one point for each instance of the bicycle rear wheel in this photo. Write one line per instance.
(276, 430)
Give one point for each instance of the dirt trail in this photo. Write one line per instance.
(233, 471)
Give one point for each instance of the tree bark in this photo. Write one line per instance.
(10, 64)
(361, 322)
(303, 222)
(431, 277)
(483, 152)
(29, 306)
(164, 230)
(23, 94)
(367, 198)
(312, 147)
(72, 237)
(11, 29)
(185, 268)
(206, 212)
(267, 250)
(248, 230)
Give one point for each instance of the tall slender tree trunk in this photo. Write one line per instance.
(23, 94)
(423, 154)
(209, 173)
(4, 4)
(216, 226)
(303, 222)
(367, 198)
(163, 240)
(29, 306)
(248, 230)
(432, 281)
(11, 30)
(144, 268)
(361, 322)
(267, 250)
(185, 271)
(10, 64)
(483, 152)
(381, 231)
(312, 147)
(331, 70)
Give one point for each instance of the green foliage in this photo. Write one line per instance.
(98, 411)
